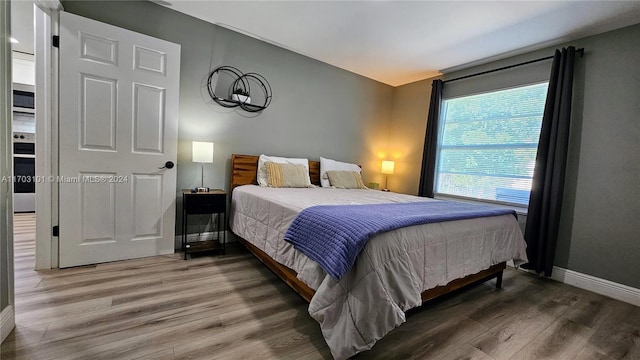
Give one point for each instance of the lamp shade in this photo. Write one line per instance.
(388, 166)
(202, 152)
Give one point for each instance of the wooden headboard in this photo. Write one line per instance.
(244, 169)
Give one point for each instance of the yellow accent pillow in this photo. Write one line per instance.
(287, 175)
(345, 179)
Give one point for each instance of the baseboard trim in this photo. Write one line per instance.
(594, 284)
(7, 322)
(597, 285)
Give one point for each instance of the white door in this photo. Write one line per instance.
(118, 127)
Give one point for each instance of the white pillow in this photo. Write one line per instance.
(262, 167)
(328, 165)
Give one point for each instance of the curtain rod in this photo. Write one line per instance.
(579, 51)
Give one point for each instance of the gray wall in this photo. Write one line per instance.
(604, 175)
(6, 212)
(317, 109)
(600, 233)
(407, 132)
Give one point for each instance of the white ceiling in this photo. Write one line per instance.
(396, 42)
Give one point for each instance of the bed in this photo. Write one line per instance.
(396, 271)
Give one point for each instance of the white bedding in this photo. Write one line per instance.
(389, 274)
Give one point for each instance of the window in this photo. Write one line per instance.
(488, 143)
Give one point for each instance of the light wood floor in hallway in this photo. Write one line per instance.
(232, 307)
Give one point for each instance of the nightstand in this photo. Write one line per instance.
(212, 202)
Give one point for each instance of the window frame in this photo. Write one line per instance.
(518, 207)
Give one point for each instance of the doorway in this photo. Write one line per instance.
(23, 138)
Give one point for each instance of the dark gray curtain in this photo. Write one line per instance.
(427, 176)
(545, 204)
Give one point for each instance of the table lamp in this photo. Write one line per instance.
(387, 169)
(202, 153)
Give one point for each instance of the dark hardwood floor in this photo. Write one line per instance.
(232, 307)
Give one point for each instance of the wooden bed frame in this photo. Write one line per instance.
(243, 172)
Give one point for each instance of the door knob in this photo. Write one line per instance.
(167, 165)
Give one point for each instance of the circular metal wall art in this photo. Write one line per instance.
(250, 91)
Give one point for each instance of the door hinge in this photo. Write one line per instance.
(56, 41)
(56, 230)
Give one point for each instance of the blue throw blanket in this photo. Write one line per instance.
(333, 235)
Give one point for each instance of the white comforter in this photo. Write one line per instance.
(389, 274)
